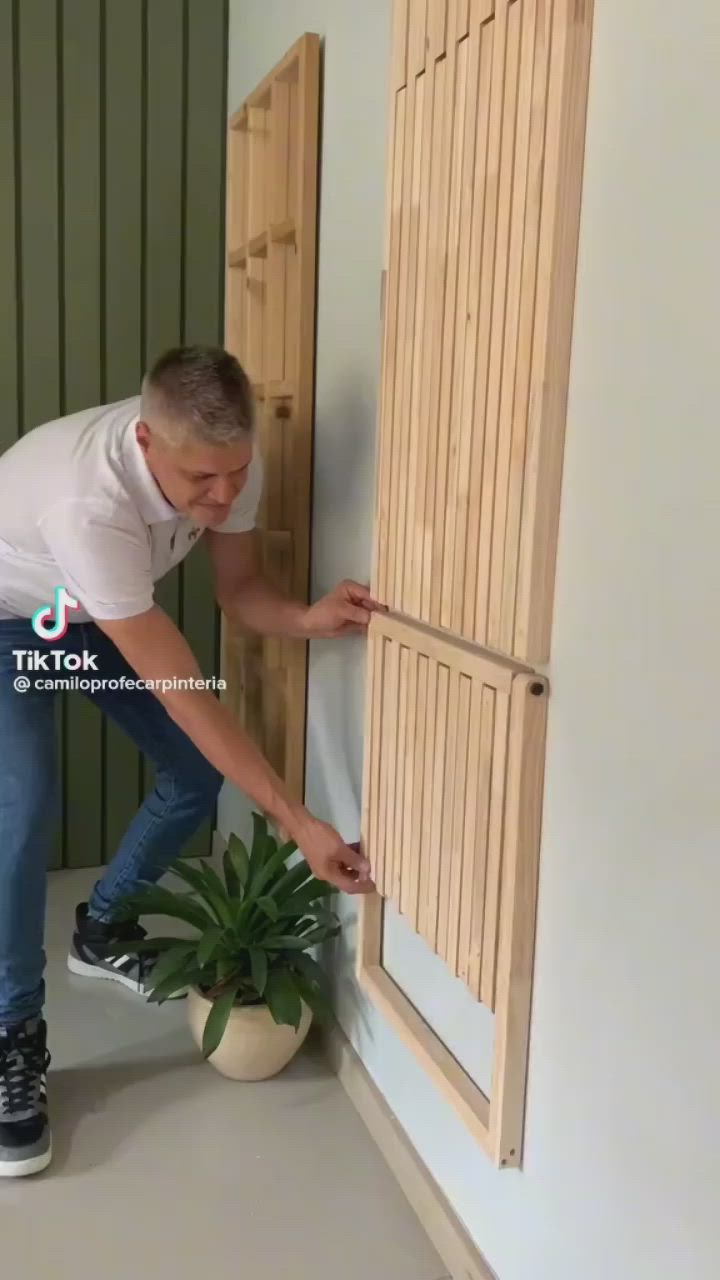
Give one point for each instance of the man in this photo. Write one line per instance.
(94, 509)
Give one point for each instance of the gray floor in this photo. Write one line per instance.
(163, 1168)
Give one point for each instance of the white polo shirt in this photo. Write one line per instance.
(79, 508)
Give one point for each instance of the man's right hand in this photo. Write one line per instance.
(329, 858)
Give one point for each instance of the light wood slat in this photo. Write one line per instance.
(391, 710)
(513, 297)
(462, 19)
(417, 30)
(371, 821)
(437, 28)
(472, 897)
(409, 766)
(432, 749)
(454, 310)
(488, 496)
(430, 928)
(385, 518)
(278, 206)
(410, 896)
(448, 850)
(516, 944)
(565, 146)
(471, 423)
(493, 106)
(489, 906)
(381, 704)
(419, 410)
(398, 71)
(465, 791)
(403, 375)
(401, 775)
(413, 336)
(494, 669)
(440, 178)
(257, 135)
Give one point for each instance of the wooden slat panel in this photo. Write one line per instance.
(417, 31)
(9, 230)
(461, 445)
(398, 71)
(438, 750)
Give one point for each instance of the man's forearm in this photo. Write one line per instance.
(258, 606)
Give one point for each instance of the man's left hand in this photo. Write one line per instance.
(347, 610)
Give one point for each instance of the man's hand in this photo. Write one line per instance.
(348, 609)
(329, 858)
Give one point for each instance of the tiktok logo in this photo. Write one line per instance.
(50, 621)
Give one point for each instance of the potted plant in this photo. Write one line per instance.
(252, 985)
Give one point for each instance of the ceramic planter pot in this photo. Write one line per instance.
(253, 1047)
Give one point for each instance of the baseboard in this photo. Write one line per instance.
(432, 1207)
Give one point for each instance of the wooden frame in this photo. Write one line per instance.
(497, 1120)
(273, 161)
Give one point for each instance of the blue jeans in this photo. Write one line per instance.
(185, 793)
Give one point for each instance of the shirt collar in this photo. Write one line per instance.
(151, 501)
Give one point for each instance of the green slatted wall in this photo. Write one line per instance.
(112, 127)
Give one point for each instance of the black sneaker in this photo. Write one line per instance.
(25, 1143)
(93, 941)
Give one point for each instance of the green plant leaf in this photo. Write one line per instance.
(310, 969)
(269, 907)
(208, 944)
(291, 881)
(259, 967)
(272, 869)
(187, 976)
(283, 998)
(158, 901)
(315, 999)
(218, 1020)
(119, 948)
(236, 862)
(170, 962)
(286, 942)
(209, 887)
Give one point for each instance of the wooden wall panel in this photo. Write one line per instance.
(483, 196)
(270, 326)
(484, 171)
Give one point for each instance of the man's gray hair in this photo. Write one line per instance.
(198, 393)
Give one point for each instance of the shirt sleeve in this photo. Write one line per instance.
(103, 559)
(243, 512)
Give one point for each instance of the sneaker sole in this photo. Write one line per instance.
(83, 970)
(24, 1168)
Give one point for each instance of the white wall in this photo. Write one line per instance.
(622, 1167)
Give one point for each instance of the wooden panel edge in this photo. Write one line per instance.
(444, 1070)
(516, 944)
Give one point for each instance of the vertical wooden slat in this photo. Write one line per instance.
(9, 230)
(514, 280)
(388, 526)
(401, 770)
(165, 159)
(461, 420)
(371, 824)
(419, 810)
(492, 441)
(411, 765)
(432, 334)
(471, 414)
(425, 853)
(122, 147)
(398, 70)
(82, 327)
(417, 29)
(490, 905)
(496, 36)
(40, 204)
(122, 318)
(258, 129)
(454, 309)
(437, 28)
(403, 388)
(436, 850)
(460, 851)
(391, 708)
(472, 895)
(419, 411)
(449, 850)
(277, 253)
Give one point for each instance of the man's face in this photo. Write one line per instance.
(201, 480)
